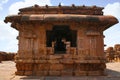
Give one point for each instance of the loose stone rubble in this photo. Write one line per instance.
(4, 56)
(113, 53)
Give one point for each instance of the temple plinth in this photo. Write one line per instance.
(60, 40)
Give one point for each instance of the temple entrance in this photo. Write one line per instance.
(60, 36)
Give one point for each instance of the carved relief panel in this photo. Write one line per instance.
(81, 42)
(26, 41)
(92, 46)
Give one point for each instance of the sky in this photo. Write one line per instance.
(8, 41)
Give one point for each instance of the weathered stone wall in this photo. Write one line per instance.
(41, 60)
(62, 65)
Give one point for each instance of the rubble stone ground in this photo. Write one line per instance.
(7, 69)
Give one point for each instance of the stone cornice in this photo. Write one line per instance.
(103, 21)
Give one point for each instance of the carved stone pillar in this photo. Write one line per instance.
(68, 47)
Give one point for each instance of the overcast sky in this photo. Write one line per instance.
(8, 35)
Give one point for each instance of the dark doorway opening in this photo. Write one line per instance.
(58, 34)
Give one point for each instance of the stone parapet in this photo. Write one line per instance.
(86, 10)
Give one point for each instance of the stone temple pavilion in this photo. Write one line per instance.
(60, 40)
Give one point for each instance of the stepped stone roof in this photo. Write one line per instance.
(90, 14)
(84, 10)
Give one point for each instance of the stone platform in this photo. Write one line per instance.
(7, 69)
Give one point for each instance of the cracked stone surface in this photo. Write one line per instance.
(7, 69)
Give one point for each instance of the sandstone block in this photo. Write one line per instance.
(40, 61)
(42, 67)
(43, 57)
(56, 67)
(20, 66)
(80, 61)
(67, 56)
(21, 73)
(80, 73)
(67, 61)
(28, 73)
(93, 61)
(53, 61)
(55, 57)
(28, 67)
(50, 51)
(54, 73)
(75, 57)
(95, 73)
(28, 61)
(68, 67)
(66, 73)
(77, 61)
(41, 73)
